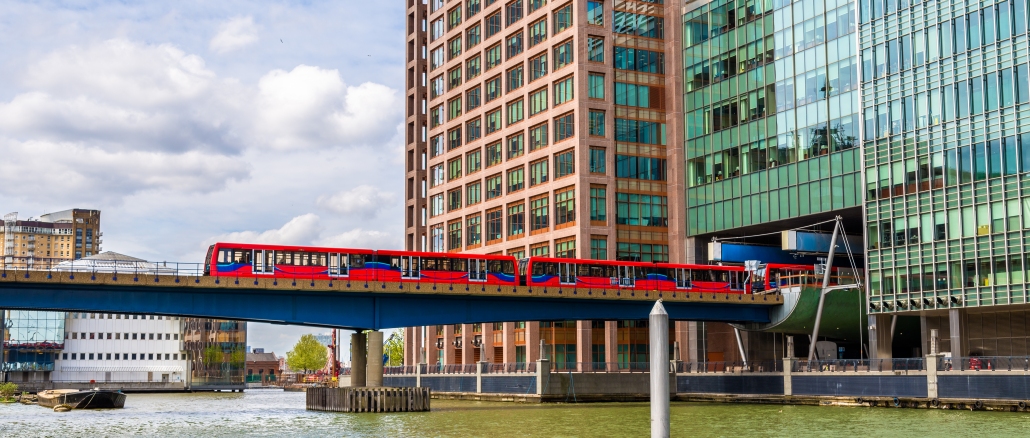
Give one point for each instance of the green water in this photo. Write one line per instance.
(277, 413)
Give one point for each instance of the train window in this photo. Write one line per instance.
(458, 265)
(429, 264)
(221, 256)
(283, 258)
(357, 260)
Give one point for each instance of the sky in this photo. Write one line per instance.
(191, 122)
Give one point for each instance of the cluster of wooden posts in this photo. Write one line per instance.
(381, 399)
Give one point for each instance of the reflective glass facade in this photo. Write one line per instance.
(31, 339)
(946, 102)
(771, 107)
(217, 351)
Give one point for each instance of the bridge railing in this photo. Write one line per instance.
(859, 365)
(757, 366)
(512, 367)
(984, 363)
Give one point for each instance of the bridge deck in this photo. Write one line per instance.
(306, 301)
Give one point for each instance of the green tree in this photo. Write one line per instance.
(212, 355)
(238, 358)
(308, 354)
(394, 348)
(7, 391)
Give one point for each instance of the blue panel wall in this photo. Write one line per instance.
(450, 383)
(873, 386)
(983, 385)
(509, 384)
(729, 384)
(399, 382)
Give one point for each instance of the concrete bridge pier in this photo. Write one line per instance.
(358, 356)
(375, 359)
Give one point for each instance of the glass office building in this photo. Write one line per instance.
(32, 341)
(946, 141)
(771, 114)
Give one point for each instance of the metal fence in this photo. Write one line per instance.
(859, 365)
(511, 367)
(760, 366)
(984, 363)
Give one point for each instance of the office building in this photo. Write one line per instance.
(946, 104)
(539, 128)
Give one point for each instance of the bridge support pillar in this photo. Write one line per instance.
(358, 356)
(375, 359)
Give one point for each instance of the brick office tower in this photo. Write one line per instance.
(541, 128)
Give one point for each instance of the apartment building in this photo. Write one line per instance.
(50, 239)
(540, 128)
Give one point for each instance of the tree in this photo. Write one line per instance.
(308, 354)
(212, 355)
(394, 348)
(7, 391)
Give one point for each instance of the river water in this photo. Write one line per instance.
(278, 413)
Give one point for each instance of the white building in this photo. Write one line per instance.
(120, 350)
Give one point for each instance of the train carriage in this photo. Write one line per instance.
(604, 274)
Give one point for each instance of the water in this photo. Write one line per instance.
(278, 413)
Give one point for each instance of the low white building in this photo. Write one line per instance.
(119, 350)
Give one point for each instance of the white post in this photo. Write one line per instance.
(659, 328)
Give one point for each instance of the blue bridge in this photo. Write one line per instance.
(358, 305)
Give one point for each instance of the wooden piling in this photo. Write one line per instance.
(381, 399)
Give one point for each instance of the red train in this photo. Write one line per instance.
(252, 260)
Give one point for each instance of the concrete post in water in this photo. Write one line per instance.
(375, 359)
(788, 367)
(659, 328)
(358, 353)
(543, 376)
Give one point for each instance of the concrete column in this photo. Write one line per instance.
(584, 345)
(486, 353)
(543, 376)
(468, 352)
(880, 339)
(508, 348)
(611, 345)
(411, 346)
(931, 376)
(479, 377)
(432, 352)
(532, 341)
(788, 365)
(418, 376)
(358, 356)
(957, 326)
(682, 336)
(448, 345)
(375, 359)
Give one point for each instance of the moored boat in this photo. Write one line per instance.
(82, 398)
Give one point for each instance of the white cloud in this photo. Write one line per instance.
(363, 201)
(301, 230)
(237, 33)
(359, 238)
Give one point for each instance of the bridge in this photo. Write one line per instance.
(358, 305)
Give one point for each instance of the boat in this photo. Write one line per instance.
(82, 398)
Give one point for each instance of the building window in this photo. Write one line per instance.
(436, 233)
(516, 219)
(473, 162)
(473, 130)
(515, 77)
(539, 250)
(538, 137)
(564, 164)
(641, 60)
(435, 209)
(641, 210)
(518, 254)
(516, 179)
(453, 17)
(473, 98)
(597, 160)
(493, 154)
(639, 25)
(493, 225)
(538, 67)
(436, 116)
(596, 86)
(493, 56)
(515, 112)
(565, 248)
(516, 146)
(513, 12)
(473, 230)
(493, 121)
(595, 49)
(646, 168)
(472, 193)
(454, 235)
(454, 48)
(493, 88)
(538, 212)
(493, 24)
(473, 36)
(564, 207)
(538, 101)
(563, 55)
(472, 7)
(563, 91)
(514, 45)
(436, 58)
(436, 175)
(596, 123)
(493, 187)
(538, 32)
(454, 138)
(538, 172)
(598, 247)
(473, 67)
(454, 199)
(595, 13)
(642, 252)
(598, 204)
(562, 18)
(564, 127)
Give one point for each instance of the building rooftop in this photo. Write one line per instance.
(262, 357)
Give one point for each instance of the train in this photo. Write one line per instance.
(242, 260)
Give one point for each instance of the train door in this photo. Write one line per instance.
(410, 267)
(477, 270)
(682, 278)
(262, 261)
(566, 273)
(627, 276)
(339, 265)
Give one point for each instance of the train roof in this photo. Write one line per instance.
(292, 248)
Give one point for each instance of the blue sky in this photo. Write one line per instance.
(190, 122)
